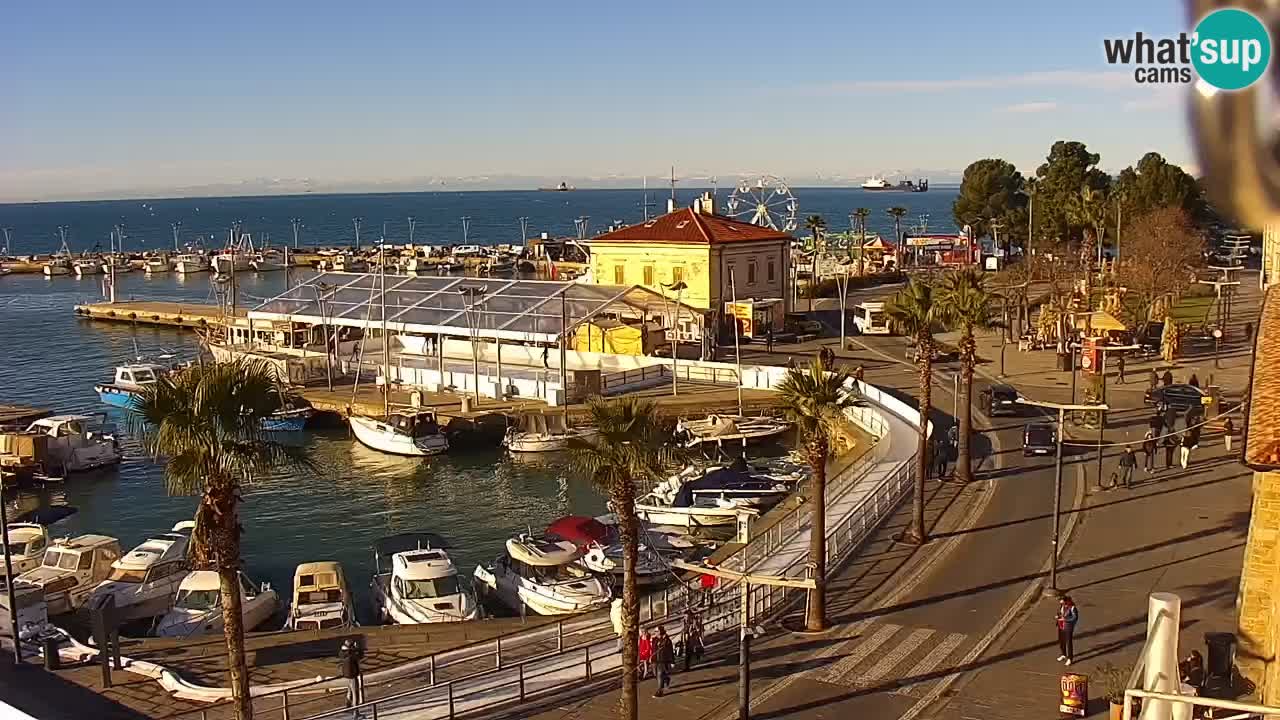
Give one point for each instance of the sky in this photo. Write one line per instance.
(156, 99)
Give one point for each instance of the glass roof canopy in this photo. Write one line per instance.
(523, 310)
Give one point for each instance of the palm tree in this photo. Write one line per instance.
(207, 421)
(814, 224)
(964, 300)
(913, 312)
(1089, 209)
(897, 213)
(631, 447)
(815, 400)
(862, 214)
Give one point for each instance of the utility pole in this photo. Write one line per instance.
(524, 230)
(355, 222)
(842, 284)
(737, 348)
(677, 287)
(466, 227)
(412, 223)
(295, 223)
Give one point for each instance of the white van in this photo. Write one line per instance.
(870, 319)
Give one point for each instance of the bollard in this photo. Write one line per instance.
(52, 660)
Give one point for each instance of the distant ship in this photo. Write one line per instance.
(562, 187)
(876, 183)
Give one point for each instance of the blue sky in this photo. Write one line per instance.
(120, 97)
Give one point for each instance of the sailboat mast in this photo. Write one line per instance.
(386, 340)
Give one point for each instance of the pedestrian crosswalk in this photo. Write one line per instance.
(897, 658)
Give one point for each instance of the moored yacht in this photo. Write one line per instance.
(144, 581)
(71, 569)
(129, 379)
(158, 264)
(414, 433)
(197, 608)
(602, 550)
(719, 429)
(415, 581)
(78, 442)
(57, 265)
(24, 546)
(321, 598)
(536, 432)
(704, 498)
(346, 262)
(543, 575)
(87, 266)
(190, 263)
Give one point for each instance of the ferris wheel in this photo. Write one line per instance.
(766, 201)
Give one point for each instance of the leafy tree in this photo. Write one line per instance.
(990, 194)
(1156, 183)
(815, 400)
(207, 420)
(913, 312)
(631, 447)
(861, 214)
(1068, 167)
(965, 301)
(1163, 248)
(815, 224)
(1088, 210)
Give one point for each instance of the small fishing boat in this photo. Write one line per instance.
(719, 429)
(130, 379)
(498, 267)
(117, 263)
(544, 576)
(87, 266)
(450, 266)
(191, 263)
(536, 432)
(71, 569)
(78, 442)
(157, 264)
(415, 581)
(346, 262)
(602, 550)
(413, 433)
(266, 262)
(144, 581)
(709, 497)
(57, 265)
(197, 608)
(289, 419)
(321, 598)
(24, 546)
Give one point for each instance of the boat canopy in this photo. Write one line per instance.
(405, 542)
(423, 564)
(726, 479)
(201, 580)
(318, 582)
(542, 552)
(579, 530)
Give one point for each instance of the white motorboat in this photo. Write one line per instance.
(71, 569)
(226, 262)
(117, 263)
(144, 581)
(403, 433)
(321, 598)
(78, 442)
(450, 266)
(602, 550)
(719, 429)
(130, 378)
(544, 576)
(87, 266)
(700, 497)
(415, 582)
(57, 265)
(197, 608)
(537, 432)
(876, 182)
(346, 262)
(25, 546)
(266, 262)
(158, 264)
(191, 263)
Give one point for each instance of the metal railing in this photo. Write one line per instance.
(613, 381)
(1248, 711)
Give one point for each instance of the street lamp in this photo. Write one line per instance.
(1057, 472)
(473, 294)
(177, 228)
(321, 290)
(355, 222)
(296, 223)
(466, 227)
(842, 284)
(676, 287)
(412, 222)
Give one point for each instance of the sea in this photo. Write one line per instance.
(477, 499)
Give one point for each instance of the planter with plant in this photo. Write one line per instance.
(1112, 680)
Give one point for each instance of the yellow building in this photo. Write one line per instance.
(701, 249)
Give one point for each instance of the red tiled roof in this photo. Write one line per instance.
(686, 226)
(1262, 441)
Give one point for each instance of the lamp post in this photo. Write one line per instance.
(296, 224)
(842, 284)
(322, 290)
(1057, 473)
(676, 287)
(474, 295)
(466, 228)
(524, 230)
(412, 222)
(177, 228)
(355, 222)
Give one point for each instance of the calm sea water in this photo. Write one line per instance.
(494, 216)
(52, 359)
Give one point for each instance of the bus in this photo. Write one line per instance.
(869, 318)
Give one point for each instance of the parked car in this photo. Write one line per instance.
(1000, 400)
(1039, 438)
(1179, 397)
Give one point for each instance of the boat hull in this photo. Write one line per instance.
(287, 421)
(116, 397)
(691, 518)
(51, 270)
(536, 442)
(373, 433)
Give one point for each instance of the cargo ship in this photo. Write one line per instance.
(562, 187)
(877, 183)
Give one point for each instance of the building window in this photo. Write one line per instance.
(648, 275)
(619, 274)
(770, 271)
(677, 274)
(751, 273)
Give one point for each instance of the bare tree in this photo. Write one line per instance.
(1163, 249)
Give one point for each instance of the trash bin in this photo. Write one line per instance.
(1064, 362)
(52, 660)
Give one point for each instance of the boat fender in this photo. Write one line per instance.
(133, 316)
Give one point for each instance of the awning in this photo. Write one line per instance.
(877, 243)
(1100, 320)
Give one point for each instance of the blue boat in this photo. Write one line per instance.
(123, 392)
(289, 420)
(116, 396)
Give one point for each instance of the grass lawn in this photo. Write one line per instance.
(1191, 310)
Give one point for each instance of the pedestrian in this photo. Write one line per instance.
(858, 373)
(1248, 332)
(1167, 380)
(1154, 380)
(1228, 428)
(1194, 381)
(1170, 443)
(546, 355)
(1170, 417)
(1127, 463)
(645, 652)
(1066, 619)
(768, 338)
(693, 643)
(1149, 449)
(349, 654)
(664, 657)
(791, 363)
(1156, 423)
(1188, 442)
(1120, 370)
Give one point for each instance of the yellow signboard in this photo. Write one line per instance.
(742, 314)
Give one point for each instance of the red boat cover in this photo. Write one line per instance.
(579, 530)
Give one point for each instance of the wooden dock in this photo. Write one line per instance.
(147, 312)
(21, 415)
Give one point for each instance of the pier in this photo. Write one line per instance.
(21, 414)
(149, 312)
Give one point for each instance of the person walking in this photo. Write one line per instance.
(1167, 379)
(349, 655)
(1154, 379)
(1120, 370)
(546, 355)
(768, 339)
(1188, 442)
(1149, 449)
(664, 658)
(1127, 463)
(1194, 381)
(694, 646)
(1170, 444)
(1066, 619)
(645, 653)
(1228, 429)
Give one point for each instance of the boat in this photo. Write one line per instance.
(729, 428)
(415, 582)
(401, 433)
(78, 442)
(225, 263)
(87, 266)
(536, 432)
(188, 263)
(158, 264)
(699, 497)
(876, 182)
(71, 569)
(544, 576)
(562, 187)
(130, 378)
(143, 582)
(346, 262)
(25, 546)
(414, 264)
(266, 262)
(197, 608)
(602, 550)
(117, 263)
(289, 419)
(31, 612)
(498, 267)
(321, 598)
(450, 266)
(57, 265)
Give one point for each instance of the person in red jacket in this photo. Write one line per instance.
(645, 653)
